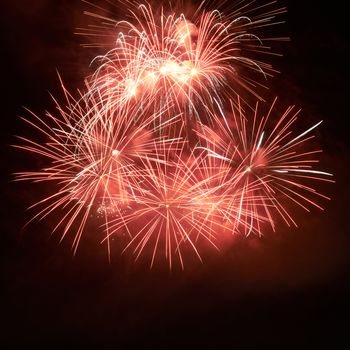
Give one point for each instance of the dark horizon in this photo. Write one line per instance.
(290, 288)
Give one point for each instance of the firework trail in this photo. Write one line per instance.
(162, 146)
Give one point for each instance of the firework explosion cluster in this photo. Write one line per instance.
(164, 147)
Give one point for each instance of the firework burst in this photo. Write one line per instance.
(94, 152)
(184, 62)
(268, 162)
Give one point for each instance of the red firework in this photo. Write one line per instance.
(151, 148)
(268, 162)
(94, 153)
(185, 62)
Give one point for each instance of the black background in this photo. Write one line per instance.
(289, 289)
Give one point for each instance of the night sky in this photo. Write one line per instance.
(289, 289)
